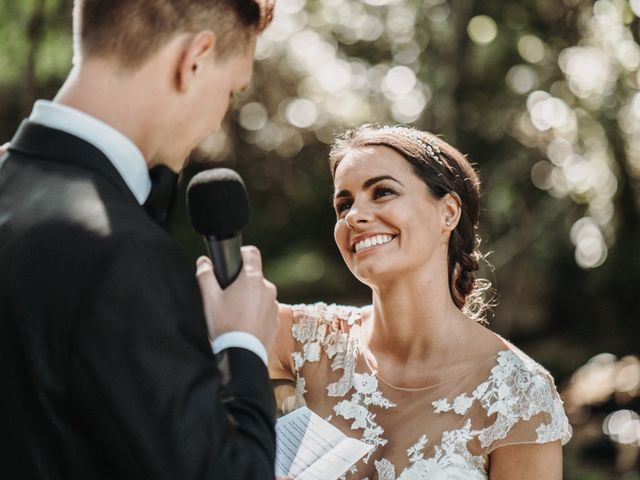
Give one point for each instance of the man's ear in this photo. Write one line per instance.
(451, 210)
(197, 51)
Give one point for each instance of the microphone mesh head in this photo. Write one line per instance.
(217, 203)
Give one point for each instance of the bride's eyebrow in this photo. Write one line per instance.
(374, 180)
(341, 194)
(367, 184)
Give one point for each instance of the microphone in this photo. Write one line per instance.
(219, 210)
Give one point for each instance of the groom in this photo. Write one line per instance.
(105, 364)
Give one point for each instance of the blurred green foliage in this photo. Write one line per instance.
(543, 95)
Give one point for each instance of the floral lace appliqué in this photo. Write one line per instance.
(415, 451)
(452, 459)
(516, 390)
(319, 329)
(385, 469)
(357, 409)
(460, 405)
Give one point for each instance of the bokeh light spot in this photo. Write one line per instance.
(559, 150)
(628, 54)
(522, 79)
(531, 48)
(398, 81)
(290, 6)
(253, 116)
(408, 108)
(482, 29)
(587, 69)
(549, 113)
(541, 175)
(301, 113)
(623, 426)
(628, 378)
(591, 250)
(335, 76)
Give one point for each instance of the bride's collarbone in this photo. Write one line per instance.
(425, 373)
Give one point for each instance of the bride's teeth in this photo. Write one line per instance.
(372, 241)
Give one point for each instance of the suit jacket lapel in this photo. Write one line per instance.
(46, 143)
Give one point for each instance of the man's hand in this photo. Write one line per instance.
(247, 305)
(4, 148)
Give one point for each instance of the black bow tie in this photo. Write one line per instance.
(164, 184)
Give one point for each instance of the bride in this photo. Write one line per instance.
(416, 374)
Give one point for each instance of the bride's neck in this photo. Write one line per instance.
(413, 319)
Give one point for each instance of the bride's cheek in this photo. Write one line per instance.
(340, 235)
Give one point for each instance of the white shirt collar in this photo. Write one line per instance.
(125, 156)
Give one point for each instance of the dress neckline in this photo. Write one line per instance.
(426, 387)
(362, 347)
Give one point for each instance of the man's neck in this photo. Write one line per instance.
(114, 97)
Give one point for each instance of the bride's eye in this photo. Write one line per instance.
(342, 206)
(383, 192)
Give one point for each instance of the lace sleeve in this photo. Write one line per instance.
(320, 329)
(280, 360)
(305, 331)
(525, 402)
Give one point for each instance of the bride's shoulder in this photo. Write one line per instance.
(508, 362)
(488, 343)
(511, 373)
(519, 361)
(321, 326)
(524, 395)
(518, 380)
(329, 314)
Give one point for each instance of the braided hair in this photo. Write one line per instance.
(444, 170)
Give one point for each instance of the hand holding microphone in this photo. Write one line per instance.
(235, 294)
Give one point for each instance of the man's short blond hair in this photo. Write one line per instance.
(133, 30)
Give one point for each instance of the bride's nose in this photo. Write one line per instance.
(358, 215)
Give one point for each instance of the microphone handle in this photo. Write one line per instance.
(226, 257)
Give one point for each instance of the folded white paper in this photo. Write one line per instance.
(310, 448)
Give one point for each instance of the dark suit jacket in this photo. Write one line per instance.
(105, 366)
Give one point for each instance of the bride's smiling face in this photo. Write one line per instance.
(388, 223)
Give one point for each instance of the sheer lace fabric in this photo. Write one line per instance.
(442, 431)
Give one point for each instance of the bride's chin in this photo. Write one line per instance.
(375, 276)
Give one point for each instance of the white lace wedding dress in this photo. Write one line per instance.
(443, 431)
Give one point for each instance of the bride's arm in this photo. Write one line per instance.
(280, 361)
(528, 461)
(4, 148)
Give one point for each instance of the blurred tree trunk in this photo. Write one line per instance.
(450, 44)
(35, 29)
